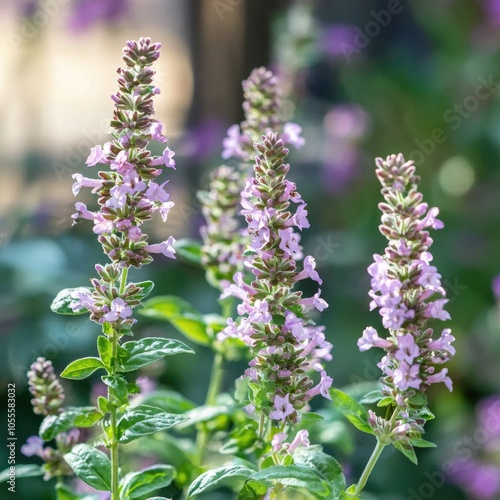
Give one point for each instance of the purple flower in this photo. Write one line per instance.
(404, 288)
(495, 285)
(300, 439)
(282, 408)
(33, 447)
(119, 309)
(292, 135)
(88, 12)
(272, 317)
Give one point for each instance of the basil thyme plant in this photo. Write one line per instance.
(257, 436)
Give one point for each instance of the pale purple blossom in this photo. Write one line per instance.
(282, 408)
(33, 447)
(292, 134)
(119, 309)
(300, 440)
(165, 247)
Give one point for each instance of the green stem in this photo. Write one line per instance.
(112, 404)
(369, 467)
(214, 387)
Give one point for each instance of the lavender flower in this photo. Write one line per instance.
(55, 464)
(407, 290)
(273, 321)
(48, 394)
(222, 249)
(88, 12)
(222, 237)
(262, 108)
(128, 194)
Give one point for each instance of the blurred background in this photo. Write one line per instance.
(364, 79)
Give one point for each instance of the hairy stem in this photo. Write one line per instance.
(369, 466)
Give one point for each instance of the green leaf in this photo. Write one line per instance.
(22, 470)
(407, 450)
(325, 465)
(102, 404)
(148, 480)
(189, 249)
(147, 350)
(144, 420)
(66, 298)
(64, 492)
(221, 476)
(170, 401)
(372, 397)
(146, 288)
(421, 443)
(310, 418)
(105, 349)
(118, 384)
(206, 414)
(181, 314)
(82, 368)
(296, 476)
(351, 409)
(252, 490)
(52, 425)
(91, 466)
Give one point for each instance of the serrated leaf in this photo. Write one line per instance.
(105, 350)
(146, 288)
(82, 368)
(296, 476)
(118, 384)
(91, 466)
(71, 417)
(148, 350)
(407, 450)
(351, 409)
(181, 314)
(144, 420)
(66, 298)
(189, 249)
(141, 483)
(219, 477)
(22, 470)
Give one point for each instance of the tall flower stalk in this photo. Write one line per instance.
(224, 238)
(273, 321)
(128, 196)
(407, 290)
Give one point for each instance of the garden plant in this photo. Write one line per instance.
(254, 436)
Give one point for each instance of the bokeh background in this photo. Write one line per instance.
(364, 79)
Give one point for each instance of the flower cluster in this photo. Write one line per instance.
(222, 238)
(262, 108)
(407, 288)
(273, 321)
(48, 394)
(55, 465)
(128, 194)
(222, 249)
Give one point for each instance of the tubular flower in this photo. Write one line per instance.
(285, 344)
(128, 193)
(407, 291)
(222, 236)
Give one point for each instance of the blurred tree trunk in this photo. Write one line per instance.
(229, 38)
